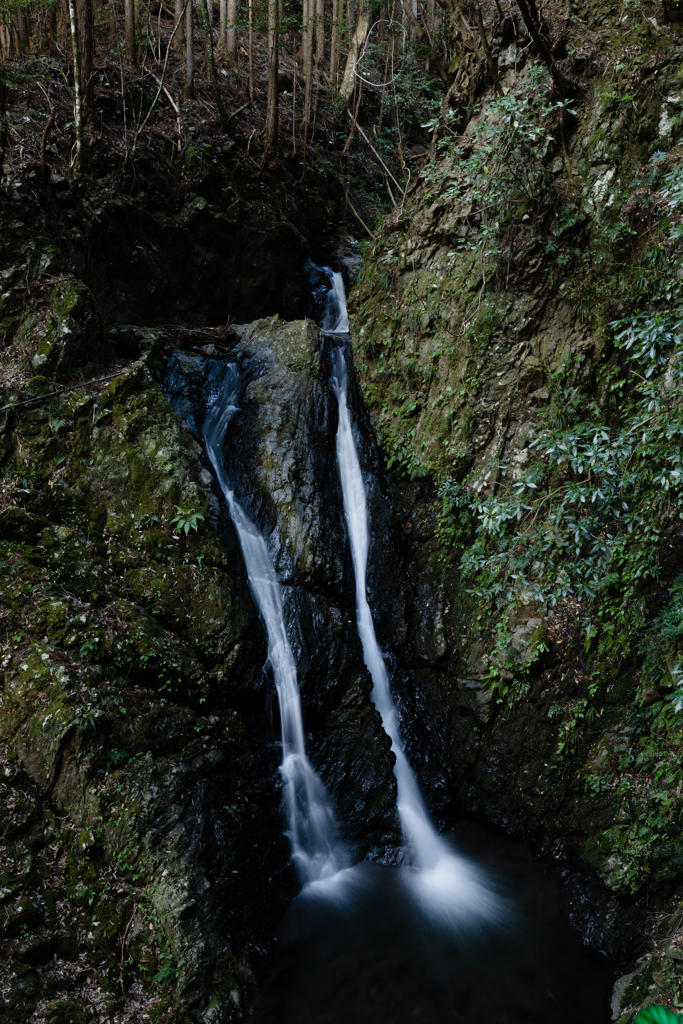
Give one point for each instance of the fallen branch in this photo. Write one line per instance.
(358, 216)
(44, 169)
(236, 112)
(377, 155)
(51, 394)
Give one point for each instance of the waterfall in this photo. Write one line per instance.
(329, 295)
(335, 318)
(311, 827)
(446, 884)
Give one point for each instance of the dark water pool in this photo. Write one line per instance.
(369, 956)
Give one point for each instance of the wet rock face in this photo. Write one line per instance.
(132, 693)
(280, 456)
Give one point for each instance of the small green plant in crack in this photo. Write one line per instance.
(186, 519)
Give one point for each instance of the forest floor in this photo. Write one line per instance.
(142, 132)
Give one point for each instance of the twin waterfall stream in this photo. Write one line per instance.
(436, 938)
(447, 884)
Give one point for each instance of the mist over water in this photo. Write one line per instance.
(311, 828)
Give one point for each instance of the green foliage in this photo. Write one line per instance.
(506, 164)
(656, 1015)
(404, 460)
(115, 757)
(586, 518)
(186, 519)
(166, 975)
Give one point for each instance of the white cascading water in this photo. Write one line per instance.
(448, 886)
(311, 827)
(335, 318)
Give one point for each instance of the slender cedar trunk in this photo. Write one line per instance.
(129, 17)
(391, 37)
(349, 81)
(294, 112)
(188, 91)
(85, 36)
(138, 30)
(209, 4)
(15, 38)
(78, 95)
(319, 36)
(424, 36)
(211, 64)
(306, 34)
(490, 62)
(272, 106)
(23, 29)
(251, 49)
(222, 23)
(231, 32)
(179, 41)
(51, 30)
(334, 44)
(308, 64)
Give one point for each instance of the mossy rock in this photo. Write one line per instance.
(64, 1011)
(65, 337)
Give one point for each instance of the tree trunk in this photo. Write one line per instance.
(85, 35)
(308, 64)
(78, 98)
(22, 29)
(130, 47)
(425, 38)
(211, 64)
(51, 30)
(272, 107)
(307, 31)
(319, 36)
(490, 62)
(179, 41)
(231, 33)
(188, 91)
(223, 24)
(334, 44)
(138, 30)
(349, 81)
(251, 49)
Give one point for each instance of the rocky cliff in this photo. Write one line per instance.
(518, 335)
